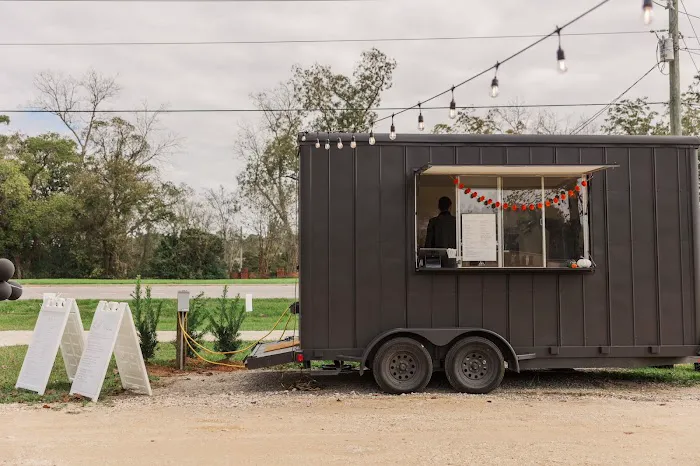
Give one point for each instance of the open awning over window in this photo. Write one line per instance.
(513, 170)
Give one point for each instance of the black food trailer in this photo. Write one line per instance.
(557, 252)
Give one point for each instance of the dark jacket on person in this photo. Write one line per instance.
(442, 232)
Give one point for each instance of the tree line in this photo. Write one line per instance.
(91, 202)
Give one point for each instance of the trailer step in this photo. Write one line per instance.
(272, 354)
(281, 345)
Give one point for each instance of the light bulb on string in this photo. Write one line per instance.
(372, 140)
(318, 144)
(648, 11)
(453, 105)
(421, 121)
(340, 143)
(303, 137)
(561, 58)
(392, 129)
(494, 83)
(328, 141)
(353, 142)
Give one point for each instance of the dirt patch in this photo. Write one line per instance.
(194, 366)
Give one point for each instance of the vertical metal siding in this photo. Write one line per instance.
(395, 234)
(341, 249)
(368, 256)
(668, 246)
(419, 292)
(357, 216)
(596, 285)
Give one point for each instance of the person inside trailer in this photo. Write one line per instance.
(442, 230)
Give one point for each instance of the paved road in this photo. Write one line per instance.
(23, 337)
(157, 291)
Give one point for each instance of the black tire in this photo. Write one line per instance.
(474, 365)
(402, 365)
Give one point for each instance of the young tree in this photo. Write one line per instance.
(344, 103)
(121, 191)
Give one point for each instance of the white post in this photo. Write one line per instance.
(249, 302)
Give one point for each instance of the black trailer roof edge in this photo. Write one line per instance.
(506, 139)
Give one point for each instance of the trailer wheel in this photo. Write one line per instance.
(402, 365)
(474, 365)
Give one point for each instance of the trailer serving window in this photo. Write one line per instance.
(503, 216)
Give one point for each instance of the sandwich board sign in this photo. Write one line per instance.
(112, 332)
(58, 326)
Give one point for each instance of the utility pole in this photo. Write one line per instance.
(675, 72)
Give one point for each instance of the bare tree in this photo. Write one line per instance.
(76, 102)
(224, 207)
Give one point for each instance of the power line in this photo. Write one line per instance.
(257, 110)
(612, 102)
(312, 41)
(521, 51)
(681, 12)
(694, 31)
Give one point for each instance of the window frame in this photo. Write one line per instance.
(584, 219)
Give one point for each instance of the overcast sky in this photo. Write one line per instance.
(600, 67)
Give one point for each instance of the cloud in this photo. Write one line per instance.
(225, 75)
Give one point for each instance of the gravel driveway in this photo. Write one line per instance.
(264, 418)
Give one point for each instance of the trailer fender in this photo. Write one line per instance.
(442, 337)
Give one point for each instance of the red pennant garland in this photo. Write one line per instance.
(571, 193)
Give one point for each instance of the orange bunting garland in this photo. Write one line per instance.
(571, 193)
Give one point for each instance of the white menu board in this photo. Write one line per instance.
(479, 237)
(98, 351)
(112, 332)
(58, 324)
(41, 354)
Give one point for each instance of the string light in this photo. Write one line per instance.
(328, 141)
(372, 140)
(318, 144)
(648, 11)
(353, 142)
(392, 131)
(561, 58)
(494, 83)
(340, 143)
(303, 136)
(453, 105)
(421, 122)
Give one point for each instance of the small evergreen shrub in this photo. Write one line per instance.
(146, 317)
(225, 323)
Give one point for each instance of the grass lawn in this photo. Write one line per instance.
(89, 281)
(57, 390)
(22, 314)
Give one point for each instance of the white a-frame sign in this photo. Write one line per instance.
(112, 331)
(58, 325)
